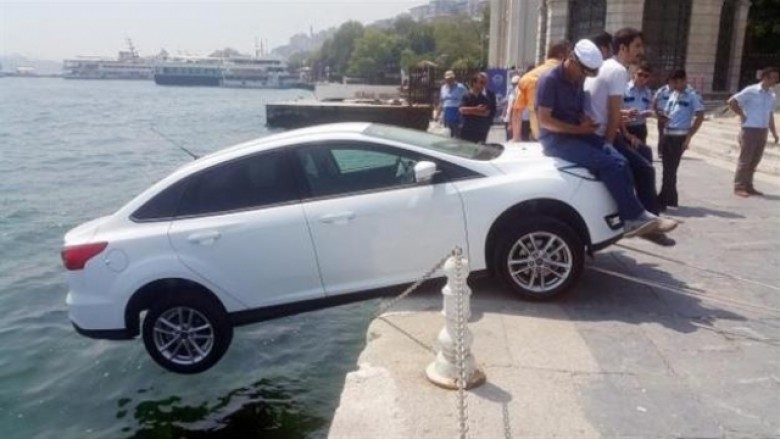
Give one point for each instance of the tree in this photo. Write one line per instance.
(418, 37)
(763, 27)
(335, 53)
(459, 40)
(298, 60)
(377, 52)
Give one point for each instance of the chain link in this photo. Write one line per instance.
(507, 426)
(413, 286)
(463, 408)
(457, 253)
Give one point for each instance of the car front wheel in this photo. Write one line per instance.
(540, 258)
(186, 334)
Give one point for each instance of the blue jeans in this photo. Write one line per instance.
(451, 120)
(613, 170)
(641, 162)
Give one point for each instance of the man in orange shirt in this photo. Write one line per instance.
(526, 89)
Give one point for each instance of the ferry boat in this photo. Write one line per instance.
(231, 72)
(255, 72)
(128, 65)
(190, 71)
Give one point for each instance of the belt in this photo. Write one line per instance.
(675, 132)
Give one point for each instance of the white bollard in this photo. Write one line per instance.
(444, 371)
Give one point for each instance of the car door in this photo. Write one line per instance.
(241, 226)
(371, 223)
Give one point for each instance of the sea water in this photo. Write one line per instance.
(71, 151)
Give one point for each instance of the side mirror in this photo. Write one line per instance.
(424, 172)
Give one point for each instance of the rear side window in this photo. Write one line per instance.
(163, 206)
(246, 183)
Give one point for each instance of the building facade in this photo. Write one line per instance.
(517, 22)
(447, 8)
(705, 37)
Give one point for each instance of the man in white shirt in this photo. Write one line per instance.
(450, 95)
(604, 101)
(510, 102)
(755, 106)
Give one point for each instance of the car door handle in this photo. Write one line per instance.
(337, 218)
(204, 238)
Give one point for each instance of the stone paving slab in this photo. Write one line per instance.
(694, 353)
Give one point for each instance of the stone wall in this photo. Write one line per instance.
(624, 13)
(702, 43)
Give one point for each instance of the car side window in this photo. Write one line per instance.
(247, 183)
(163, 206)
(341, 169)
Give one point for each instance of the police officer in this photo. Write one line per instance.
(637, 101)
(658, 105)
(684, 112)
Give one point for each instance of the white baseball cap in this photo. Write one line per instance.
(588, 54)
(515, 79)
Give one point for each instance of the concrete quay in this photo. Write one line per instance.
(653, 343)
(718, 138)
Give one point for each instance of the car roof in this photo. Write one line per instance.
(325, 129)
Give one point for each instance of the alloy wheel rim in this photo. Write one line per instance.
(540, 262)
(183, 335)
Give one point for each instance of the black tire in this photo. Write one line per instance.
(556, 270)
(187, 313)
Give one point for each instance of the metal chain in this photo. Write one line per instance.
(463, 409)
(507, 426)
(413, 286)
(457, 253)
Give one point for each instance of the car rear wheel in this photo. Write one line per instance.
(186, 334)
(540, 258)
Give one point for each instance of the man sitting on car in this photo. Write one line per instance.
(568, 133)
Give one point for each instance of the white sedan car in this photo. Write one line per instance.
(323, 216)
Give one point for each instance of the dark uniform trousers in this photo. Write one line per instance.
(671, 154)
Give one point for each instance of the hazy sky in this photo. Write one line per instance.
(58, 29)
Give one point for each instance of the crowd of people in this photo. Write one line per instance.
(584, 106)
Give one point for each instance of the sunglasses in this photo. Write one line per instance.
(588, 71)
(643, 75)
(585, 69)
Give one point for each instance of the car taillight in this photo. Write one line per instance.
(76, 256)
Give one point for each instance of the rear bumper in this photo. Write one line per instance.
(104, 334)
(604, 244)
(96, 316)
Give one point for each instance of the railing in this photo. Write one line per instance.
(455, 367)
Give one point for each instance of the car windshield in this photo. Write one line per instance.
(447, 145)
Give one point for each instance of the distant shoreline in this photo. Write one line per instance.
(18, 75)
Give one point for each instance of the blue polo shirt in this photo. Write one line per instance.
(757, 104)
(566, 99)
(637, 98)
(451, 96)
(662, 97)
(682, 108)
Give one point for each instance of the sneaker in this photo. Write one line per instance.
(741, 193)
(641, 225)
(753, 191)
(666, 225)
(660, 239)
